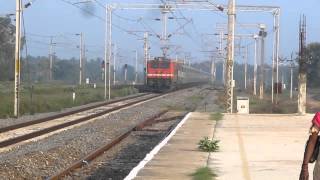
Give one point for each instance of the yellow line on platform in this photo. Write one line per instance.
(245, 167)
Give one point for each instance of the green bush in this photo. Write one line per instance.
(208, 145)
(204, 173)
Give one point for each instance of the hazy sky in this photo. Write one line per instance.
(60, 19)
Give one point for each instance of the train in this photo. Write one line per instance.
(167, 74)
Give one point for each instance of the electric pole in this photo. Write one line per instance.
(213, 70)
(246, 66)
(230, 57)
(146, 55)
(136, 68)
(291, 75)
(108, 46)
(114, 63)
(255, 65)
(262, 34)
(291, 80)
(51, 58)
(81, 47)
(302, 97)
(17, 59)
(165, 10)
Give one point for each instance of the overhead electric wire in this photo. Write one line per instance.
(102, 19)
(125, 18)
(100, 4)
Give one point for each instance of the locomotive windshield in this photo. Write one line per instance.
(160, 63)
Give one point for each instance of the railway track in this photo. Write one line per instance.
(56, 151)
(18, 133)
(101, 150)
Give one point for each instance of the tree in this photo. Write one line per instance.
(7, 43)
(313, 73)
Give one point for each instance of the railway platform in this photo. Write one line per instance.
(259, 147)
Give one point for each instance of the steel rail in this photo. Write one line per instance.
(25, 137)
(60, 115)
(96, 153)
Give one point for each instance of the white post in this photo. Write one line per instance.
(17, 59)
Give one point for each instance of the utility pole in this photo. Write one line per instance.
(262, 34)
(230, 57)
(246, 67)
(291, 80)
(136, 68)
(220, 52)
(213, 70)
(114, 63)
(17, 59)
(84, 61)
(165, 10)
(108, 46)
(302, 97)
(81, 58)
(255, 65)
(51, 58)
(291, 75)
(146, 55)
(275, 55)
(125, 73)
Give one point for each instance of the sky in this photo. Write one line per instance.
(62, 20)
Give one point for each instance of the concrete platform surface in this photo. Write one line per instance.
(252, 147)
(260, 147)
(179, 158)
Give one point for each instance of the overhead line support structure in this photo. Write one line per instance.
(17, 59)
(231, 7)
(108, 49)
(146, 55)
(275, 60)
(230, 55)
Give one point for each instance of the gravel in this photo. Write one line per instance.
(41, 159)
(26, 118)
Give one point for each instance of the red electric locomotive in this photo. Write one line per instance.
(164, 74)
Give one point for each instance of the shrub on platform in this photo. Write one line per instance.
(204, 173)
(208, 145)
